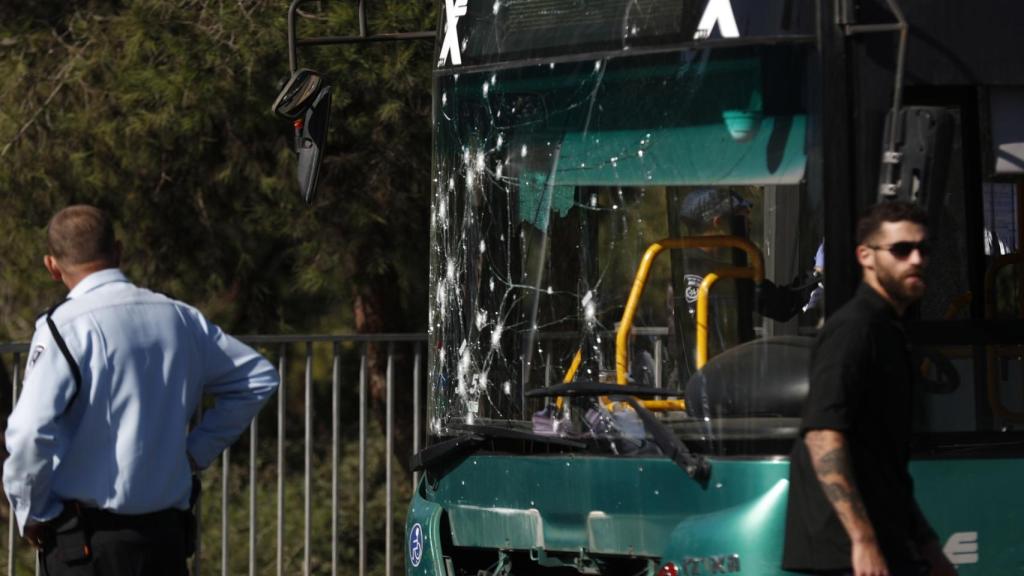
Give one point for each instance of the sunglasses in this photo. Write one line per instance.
(903, 250)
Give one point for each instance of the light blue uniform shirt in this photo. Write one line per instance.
(146, 361)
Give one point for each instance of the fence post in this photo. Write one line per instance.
(11, 538)
(416, 386)
(253, 441)
(282, 374)
(389, 448)
(224, 522)
(335, 472)
(307, 539)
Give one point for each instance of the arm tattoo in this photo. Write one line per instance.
(834, 462)
(839, 493)
(830, 459)
(835, 492)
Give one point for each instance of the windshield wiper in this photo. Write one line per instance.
(695, 466)
(476, 436)
(505, 433)
(587, 389)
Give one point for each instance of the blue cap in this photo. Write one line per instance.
(701, 207)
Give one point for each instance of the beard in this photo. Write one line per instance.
(906, 288)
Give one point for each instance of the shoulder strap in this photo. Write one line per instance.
(76, 372)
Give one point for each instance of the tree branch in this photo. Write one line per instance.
(62, 80)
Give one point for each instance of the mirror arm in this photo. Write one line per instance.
(292, 8)
(294, 42)
(891, 156)
(362, 18)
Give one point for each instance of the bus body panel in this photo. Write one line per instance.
(648, 507)
(423, 553)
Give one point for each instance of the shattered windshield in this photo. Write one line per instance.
(614, 221)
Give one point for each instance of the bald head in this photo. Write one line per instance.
(80, 235)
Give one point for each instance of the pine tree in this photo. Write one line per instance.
(159, 112)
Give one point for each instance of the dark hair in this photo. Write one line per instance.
(80, 234)
(893, 211)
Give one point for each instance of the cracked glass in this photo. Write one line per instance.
(552, 181)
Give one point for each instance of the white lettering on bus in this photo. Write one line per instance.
(962, 548)
(453, 10)
(717, 12)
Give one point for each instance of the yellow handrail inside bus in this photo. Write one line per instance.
(570, 374)
(703, 294)
(756, 272)
(992, 352)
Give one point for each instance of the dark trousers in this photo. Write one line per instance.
(117, 545)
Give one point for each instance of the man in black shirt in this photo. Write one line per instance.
(851, 501)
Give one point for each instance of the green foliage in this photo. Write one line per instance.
(158, 111)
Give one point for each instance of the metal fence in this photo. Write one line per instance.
(283, 350)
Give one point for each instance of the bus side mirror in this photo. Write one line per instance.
(307, 102)
(309, 143)
(298, 94)
(916, 171)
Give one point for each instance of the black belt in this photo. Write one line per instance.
(99, 519)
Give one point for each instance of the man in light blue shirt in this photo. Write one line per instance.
(99, 439)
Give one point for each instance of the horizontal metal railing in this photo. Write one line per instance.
(285, 346)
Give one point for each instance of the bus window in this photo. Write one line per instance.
(948, 292)
(1000, 205)
(553, 182)
(975, 387)
(1005, 270)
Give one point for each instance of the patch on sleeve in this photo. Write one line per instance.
(692, 287)
(36, 353)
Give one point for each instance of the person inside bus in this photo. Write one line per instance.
(817, 297)
(716, 211)
(723, 212)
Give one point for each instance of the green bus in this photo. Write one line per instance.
(613, 180)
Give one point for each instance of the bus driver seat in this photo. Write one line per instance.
(757, 387)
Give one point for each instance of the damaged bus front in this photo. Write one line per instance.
(629, 229)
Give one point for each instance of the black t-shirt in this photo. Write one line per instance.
(861, 383)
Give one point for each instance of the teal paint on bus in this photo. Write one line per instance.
(750, 530)
(614, 506)
(608, 506)
(648, 507)
(428, 515)
(977, 508)
(678, 156)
